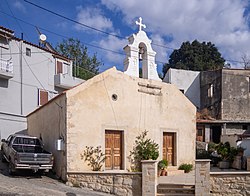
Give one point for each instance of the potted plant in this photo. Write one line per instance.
(226, 153)
(162, 167)
(186, 167)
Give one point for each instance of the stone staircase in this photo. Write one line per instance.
(175, 189)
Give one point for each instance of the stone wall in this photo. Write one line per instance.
(114, 183)
(233, 183)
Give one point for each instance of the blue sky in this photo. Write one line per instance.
(169, 22)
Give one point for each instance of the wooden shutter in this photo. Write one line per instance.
(59, 67)
(43, 97)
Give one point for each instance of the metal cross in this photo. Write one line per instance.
(140, 24)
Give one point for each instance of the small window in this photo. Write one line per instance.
(210, 90)
(28, 52)
(59, 67)
(42, 97)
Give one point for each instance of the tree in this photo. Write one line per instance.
(195, 56)
(84, 66)
(246, 61)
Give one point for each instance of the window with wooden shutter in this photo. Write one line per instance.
(43, 97)
(59, 67)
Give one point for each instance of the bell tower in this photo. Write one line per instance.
(139, 49)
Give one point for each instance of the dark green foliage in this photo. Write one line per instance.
(94, 157)
(144, 149)
(186, 167)
(202, 154)
(226, 152)
(163, 164)
(84, 66)
(195, 56)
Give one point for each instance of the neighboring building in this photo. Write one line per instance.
(225, 96)
(187, 81)
(30, 75)
(222, 97)
(111, 109)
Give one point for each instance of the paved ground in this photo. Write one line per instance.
(185, 178)
(29, 184)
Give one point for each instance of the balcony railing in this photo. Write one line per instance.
(6, 68)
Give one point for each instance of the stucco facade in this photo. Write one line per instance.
(115, 101)
(187, 81)
(27, 69)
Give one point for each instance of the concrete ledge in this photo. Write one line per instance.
(123, 172)
(230, 173)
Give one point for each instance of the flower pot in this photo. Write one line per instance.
(224, 164)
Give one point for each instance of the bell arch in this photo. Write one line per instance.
(139, 48)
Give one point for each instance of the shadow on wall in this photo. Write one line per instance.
(23, 132)
(193, 92)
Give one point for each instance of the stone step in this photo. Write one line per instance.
(174, 194)
(174, 172)
(175, 186)
(175, 189)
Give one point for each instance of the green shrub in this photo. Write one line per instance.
(144, 149)
(186, 167)
(163, 164)
(94, 157)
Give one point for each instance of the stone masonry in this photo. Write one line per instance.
(202, 177)
(149, 177)
(115, 183)
(230, 183)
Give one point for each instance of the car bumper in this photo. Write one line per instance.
(34, 167)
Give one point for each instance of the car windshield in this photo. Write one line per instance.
(27, 141)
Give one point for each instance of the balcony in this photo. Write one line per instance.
(6, 69)
(66, 81)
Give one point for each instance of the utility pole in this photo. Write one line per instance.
(21, 75)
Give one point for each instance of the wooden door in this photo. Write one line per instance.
(113, 149)
(200, 134)
(168, 147)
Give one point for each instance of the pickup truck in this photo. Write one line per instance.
(25, 152)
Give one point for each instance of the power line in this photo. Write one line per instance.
(82, 24)
(28, 63)
(87, 26)
(98, 47)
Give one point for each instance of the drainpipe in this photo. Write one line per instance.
(21, 74)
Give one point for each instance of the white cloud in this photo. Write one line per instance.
(92, 17)
(18, 5)
(114, 44)
(221, 22)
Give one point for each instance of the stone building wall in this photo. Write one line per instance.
(230, 183)
(114, 183)
(211, 80)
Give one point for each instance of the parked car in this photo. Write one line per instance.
(26, 152)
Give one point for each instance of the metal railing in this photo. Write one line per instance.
(6, 65)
